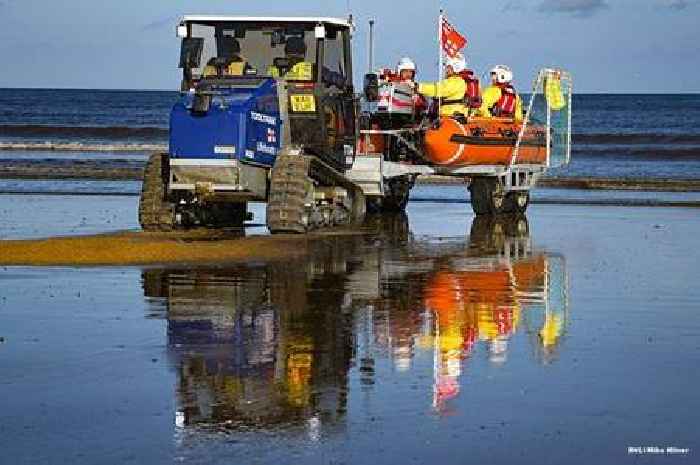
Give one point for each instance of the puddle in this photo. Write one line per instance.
(444, 339)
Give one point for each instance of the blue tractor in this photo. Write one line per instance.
(267, 113)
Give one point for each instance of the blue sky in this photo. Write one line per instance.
(608, 45)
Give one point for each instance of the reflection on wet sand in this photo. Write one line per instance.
(277, 345)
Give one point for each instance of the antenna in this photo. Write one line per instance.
(440, 63)
(371, 45)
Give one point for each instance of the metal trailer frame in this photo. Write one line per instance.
(369, 170)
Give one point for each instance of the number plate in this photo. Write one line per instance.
(225, 149)
(303, 103)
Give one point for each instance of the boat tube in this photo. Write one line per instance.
(483, 141)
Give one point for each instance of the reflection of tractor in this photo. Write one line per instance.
(268, 113)
(258, 351)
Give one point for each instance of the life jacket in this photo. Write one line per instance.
(472, 96)
(472, 92)
(505, 106)
(386, 74)
(236, 68)
(301, 71)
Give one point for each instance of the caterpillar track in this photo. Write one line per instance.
(306, 195)
(155, 212)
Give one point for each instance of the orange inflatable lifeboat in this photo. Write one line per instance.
(483, 141)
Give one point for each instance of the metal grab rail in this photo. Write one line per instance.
(539, 83)
(526, 119)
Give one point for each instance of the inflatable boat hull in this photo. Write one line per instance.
(483, 141)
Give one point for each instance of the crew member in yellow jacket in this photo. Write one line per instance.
(230, 63)
(500, 98)
(298, 69)
(450, 90)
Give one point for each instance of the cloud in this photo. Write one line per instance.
(578, 8)
(675, 5)
(513, 5)
(160, 23)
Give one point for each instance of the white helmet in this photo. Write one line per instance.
(406, 63)
(503, 74)
(458, 63)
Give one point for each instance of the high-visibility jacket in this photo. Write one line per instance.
(302, 71)
(234, 68)
(491, 97)
(451, 92)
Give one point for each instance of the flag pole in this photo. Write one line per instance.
(439, 84)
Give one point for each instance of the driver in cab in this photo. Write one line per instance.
(294, 67)
(231, 64)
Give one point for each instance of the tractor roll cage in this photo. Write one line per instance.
(210, 44)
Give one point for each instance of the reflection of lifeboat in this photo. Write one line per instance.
(483, 141)
(529, 274)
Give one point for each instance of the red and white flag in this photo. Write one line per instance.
(451, 40)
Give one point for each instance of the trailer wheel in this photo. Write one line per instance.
(517, 201)
(487, 196)
(155, 212)
(397, 191)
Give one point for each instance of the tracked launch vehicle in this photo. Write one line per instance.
(267, 113)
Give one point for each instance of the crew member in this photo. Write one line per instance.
(500, 99)
(230, 64)
(450, 90)
(406, 69)
(297, 68)
(406, 74)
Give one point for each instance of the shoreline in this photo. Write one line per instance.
(96, 173)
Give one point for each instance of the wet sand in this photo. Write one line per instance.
(109, 163)
(140, 248)
(430, 339)
(115, 246)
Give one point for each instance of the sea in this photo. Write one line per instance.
(619, 136)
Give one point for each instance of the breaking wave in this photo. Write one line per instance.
(649, 153)
(636, 139)
(82, 147)
(107, 132)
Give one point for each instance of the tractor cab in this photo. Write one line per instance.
(298, 49)
(296, 71)
(251, 88)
